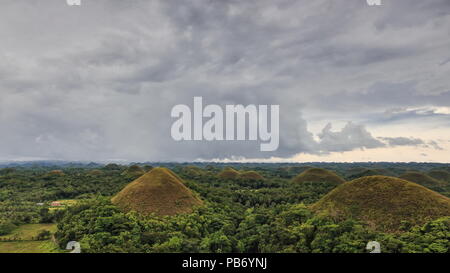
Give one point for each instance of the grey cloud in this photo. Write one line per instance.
(434, 145)
(352, 136)
(98, 81)
(402, 141)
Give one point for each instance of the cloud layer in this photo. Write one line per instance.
(97, 82)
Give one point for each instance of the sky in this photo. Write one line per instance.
(97, 82)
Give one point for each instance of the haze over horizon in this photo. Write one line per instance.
(97, 82)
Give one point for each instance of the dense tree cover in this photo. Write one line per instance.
(270, 215)
(101, 227)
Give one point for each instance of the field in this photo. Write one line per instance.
(23, 240)
(29, 247)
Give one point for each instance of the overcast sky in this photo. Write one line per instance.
(97, 82)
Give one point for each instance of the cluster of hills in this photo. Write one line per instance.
(231, 174)
(373, 196)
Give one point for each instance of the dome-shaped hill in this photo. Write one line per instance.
(440, 175)
(250, 175)
(147, 168)
(370, 172)
(384, 202)
(95, 173)
(56, 173)
(112, 167)
(192, 171)
(421, 178)
(298, 169)
(133, 171)
(318, 175)
(158, 191)
(228, 173)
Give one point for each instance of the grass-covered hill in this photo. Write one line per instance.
(422, 179)
(384, 203)
(133, 171)
(361, 172)
(440, 175)
(228, 173)
(251, 175)
(192, 171)
(95, 172)
(318, 175)
(56, 173)
(158, 191)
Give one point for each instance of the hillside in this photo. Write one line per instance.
(250, 175)
(421, 179)
(133, 171)
(353, 174)
(440, 175)
(384, 202)
(55, 173)
(158, 191)
(295, 170)
(95, 173)
(228, 173)
(318, 175)
(192, 171)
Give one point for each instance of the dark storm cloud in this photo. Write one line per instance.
(97, 82)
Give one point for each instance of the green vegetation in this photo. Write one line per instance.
(195, 208)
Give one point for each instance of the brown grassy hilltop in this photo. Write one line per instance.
(158, 191)
(228, 173)
(250, 175)
(383, 202)
(95, 172)
(421, 179)
(318, 175)
(56, 173)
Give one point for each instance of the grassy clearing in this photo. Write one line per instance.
(29, 232)
(29, 247)
(24, 240)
